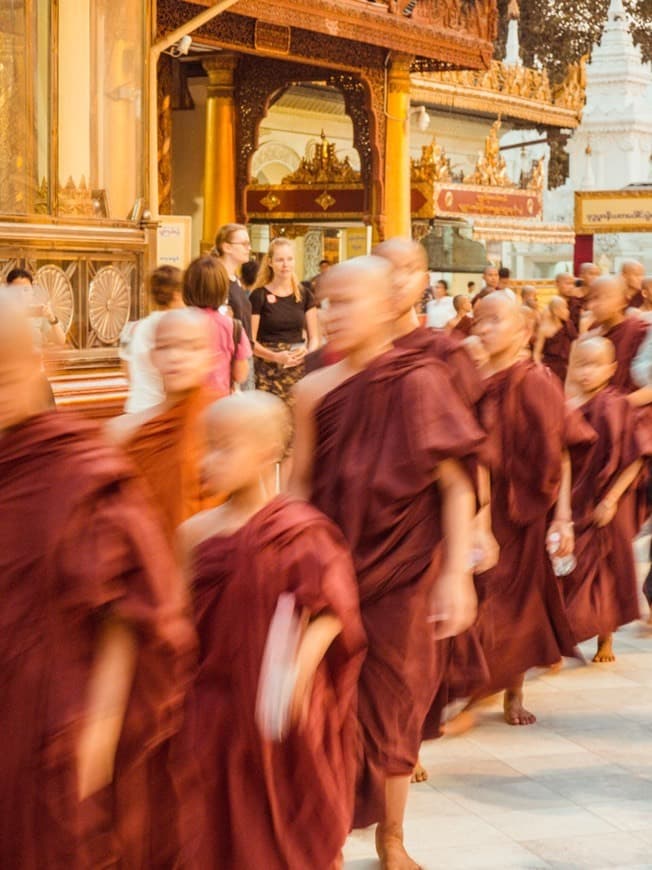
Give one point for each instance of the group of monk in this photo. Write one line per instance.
(202, 672)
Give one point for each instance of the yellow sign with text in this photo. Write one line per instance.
(613, 211)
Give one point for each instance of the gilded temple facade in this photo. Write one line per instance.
(92, 101)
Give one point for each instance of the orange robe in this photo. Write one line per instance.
(273, 805)
(167, 450)
(78, 542)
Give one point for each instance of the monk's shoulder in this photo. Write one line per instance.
(311, 389)
(199, 528)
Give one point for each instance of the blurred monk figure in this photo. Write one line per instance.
(460, 326)
(523, 413)
(580, 316)
(409, 264)
(282, 799)
(95, 645)
(602, 592)
(633, 274)
(167, 442)
(380, 442)
(608, 302)
(555, 337)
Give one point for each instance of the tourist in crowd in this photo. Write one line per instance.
(470, 288)
(284, 322)
(206, 286)
(248, 274)
(555, 336)
(137, 340)
(440, 310)
(233, 250)
(46, 328)
(504, 278)
(45, 324)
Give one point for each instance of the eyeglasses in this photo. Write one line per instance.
(246, 244)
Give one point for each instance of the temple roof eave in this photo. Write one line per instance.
(456, 46)
(492, 103)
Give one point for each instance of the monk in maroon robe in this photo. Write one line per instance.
(602, 592)
(167, 442)
(555, 337)
(285, 802)
(409, 266)
(523, 624)
(379, 441)
(96, 647)
(633, 274)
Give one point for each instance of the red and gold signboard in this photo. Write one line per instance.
(468, 200)
(306, 202)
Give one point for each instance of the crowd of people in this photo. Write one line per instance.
(211, 664)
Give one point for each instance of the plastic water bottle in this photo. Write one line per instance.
(561, 565)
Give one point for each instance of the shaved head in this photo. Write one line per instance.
(260, 417)
(372, 271)
(192, 321)
(500, 324)
(400, 247)
(607, 299)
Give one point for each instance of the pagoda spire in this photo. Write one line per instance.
(513, 49)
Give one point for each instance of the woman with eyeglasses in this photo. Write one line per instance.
(233, 250)
(283, 317)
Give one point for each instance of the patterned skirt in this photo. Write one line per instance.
(273, 378)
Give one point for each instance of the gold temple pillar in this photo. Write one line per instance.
(398, 220)
(219, 159)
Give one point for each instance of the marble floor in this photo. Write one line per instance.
(573, 791)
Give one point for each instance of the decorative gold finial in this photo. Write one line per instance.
(513, 10)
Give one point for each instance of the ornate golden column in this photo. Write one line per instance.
(219, 158)
(397, 151)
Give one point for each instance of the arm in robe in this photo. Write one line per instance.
(108, 694)
(454, 601)
(319, 635)
(304, 443)
(562, 523)
(606, 509)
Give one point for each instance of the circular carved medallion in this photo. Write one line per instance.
(108, 304)
(52, 284)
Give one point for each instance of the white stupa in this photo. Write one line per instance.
(615, 134)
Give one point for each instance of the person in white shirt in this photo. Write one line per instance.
(137, 341)
(440, 309)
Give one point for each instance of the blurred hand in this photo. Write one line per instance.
(604, 513)
(453, 604)
(566, 533)
(485, 548)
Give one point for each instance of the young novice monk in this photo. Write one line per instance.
(523, 413)
(555, 337)
(268, 804)
(601, 594)
(378, 442)
(167, 442)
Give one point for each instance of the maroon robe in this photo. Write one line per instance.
(627, 337)
(637, 300)
(380, 437)
(273, 805)
(602, 592)
(576, 307)
(556, 349)
(449, 350)
(320, 358)
(522, 623)
(78, 542)
(463, 329)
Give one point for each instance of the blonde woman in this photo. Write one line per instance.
(283, 323)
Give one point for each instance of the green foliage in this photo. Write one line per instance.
(554, 33)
